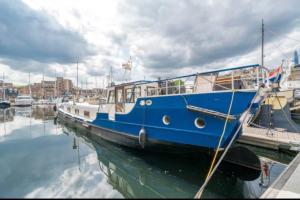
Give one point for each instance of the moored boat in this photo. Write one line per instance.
(24, 101)
(4, 104)
(171, 114)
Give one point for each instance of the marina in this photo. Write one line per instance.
(149, 99)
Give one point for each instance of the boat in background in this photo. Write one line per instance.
(180, 114)
(291, 75)
(3, 102)
(24, 100)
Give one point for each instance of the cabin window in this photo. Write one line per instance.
(86, 114)
(111, 96)
(151, 91)
(137, 92)
(120, 96)
(128, 95)
(76, 112)
(69, 109)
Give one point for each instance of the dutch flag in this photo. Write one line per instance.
(275, 75)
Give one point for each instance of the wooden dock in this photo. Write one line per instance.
(287, 184)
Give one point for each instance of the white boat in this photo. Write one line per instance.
(24, 101)
(291, 75)
(3, 102)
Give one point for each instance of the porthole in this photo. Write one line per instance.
(166, 119)
(148, 102)
(199, 123)
(142, 102)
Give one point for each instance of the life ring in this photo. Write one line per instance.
(142, 138)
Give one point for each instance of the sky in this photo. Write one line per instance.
(164, 38)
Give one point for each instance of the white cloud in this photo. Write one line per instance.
(166, 38)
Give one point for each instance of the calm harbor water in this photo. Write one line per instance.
(41, 157)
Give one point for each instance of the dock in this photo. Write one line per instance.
(287, 184)
(273, 129)
(270, 139)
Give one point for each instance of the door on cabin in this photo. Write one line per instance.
(120, 99)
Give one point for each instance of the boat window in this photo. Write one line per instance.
(111, 96)
(128, 95)
(199, 123)
(76, 111)
(69, 109)
(151, 91)
(120, 96)
(86, 113)
(137, 92)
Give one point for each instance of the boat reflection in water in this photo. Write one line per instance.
(7, 115)
(23, 111)
(138, 174)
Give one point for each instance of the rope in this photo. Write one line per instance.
(296, 129)
(199, 193)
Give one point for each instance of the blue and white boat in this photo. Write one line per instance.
(178, 114)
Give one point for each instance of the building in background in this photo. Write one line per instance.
(63, 86)
(58, 88)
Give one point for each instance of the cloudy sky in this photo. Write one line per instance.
(164, 37)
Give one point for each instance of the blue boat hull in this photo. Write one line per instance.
(129, 141)
(181, 131)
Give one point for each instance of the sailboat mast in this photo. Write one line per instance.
(3, 90)
(262, 48)
(29, 85)
(43, 86)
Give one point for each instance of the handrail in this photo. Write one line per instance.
(201, 73)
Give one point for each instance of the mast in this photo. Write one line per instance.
(43, 86)
(29, 85)
(55, 91)
(77, 81)
(3, 90)
(262, 48)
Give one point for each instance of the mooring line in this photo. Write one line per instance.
(199, 193)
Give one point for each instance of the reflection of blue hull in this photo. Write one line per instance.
(181, 129)
(4, 105)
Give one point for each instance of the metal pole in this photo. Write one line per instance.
(166, 86)
(232, 81)
(29, 85)
(262, 48)
(3, 90)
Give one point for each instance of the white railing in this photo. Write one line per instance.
(228, 82)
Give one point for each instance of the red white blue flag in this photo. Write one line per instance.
(275, 75)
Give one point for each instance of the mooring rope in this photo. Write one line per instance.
(198, 195)
(200, 191)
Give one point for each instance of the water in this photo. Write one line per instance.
(40, 157)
